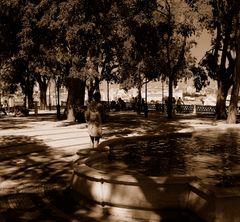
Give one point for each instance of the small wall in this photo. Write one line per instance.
(139, 196)
(214, 204)
(132, 196)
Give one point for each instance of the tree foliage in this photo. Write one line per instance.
(219, 61)
(125, 41)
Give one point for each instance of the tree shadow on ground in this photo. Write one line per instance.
(31, 161)
(70, 123)
(34, 181)
(120, 125)
(10, 122)
(13, 123)
(34, 185)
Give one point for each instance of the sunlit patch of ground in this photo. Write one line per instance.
(51, 147)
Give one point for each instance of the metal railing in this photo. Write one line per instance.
(160, 107)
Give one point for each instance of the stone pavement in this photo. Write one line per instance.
(37, 153)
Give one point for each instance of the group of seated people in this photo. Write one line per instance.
(117, 105)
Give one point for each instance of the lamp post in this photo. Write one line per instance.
(108, 94)
(49, 96)
(0, 96)
(162, 91)
(58, 98)
(146, 105)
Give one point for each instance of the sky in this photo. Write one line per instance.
(203, 45)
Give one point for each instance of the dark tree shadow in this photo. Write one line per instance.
(10, 122)
(34, 182)
(35, 178)
(124, 124)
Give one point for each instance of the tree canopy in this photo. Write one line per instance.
(124, 41)
(219, 61)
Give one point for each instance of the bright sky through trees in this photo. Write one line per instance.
(203, 45)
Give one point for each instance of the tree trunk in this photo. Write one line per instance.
(28, 91)
(221, 101)
(90, 93)
(92, 87)
(43, 83)
(30, 96)
(223, 77)
(30, 100)
(232, 110)
(43, 96)
(139, 99)
(76, 95)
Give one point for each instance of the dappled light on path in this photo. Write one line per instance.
(39, 165)
(37, 153)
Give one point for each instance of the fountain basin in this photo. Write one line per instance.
(129, 194)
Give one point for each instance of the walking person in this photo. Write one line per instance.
(179, 105)
(94, 117)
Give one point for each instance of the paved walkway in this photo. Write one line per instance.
(36, 159)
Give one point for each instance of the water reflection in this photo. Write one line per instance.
(212, 156)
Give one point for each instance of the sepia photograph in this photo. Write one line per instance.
(119, 111)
